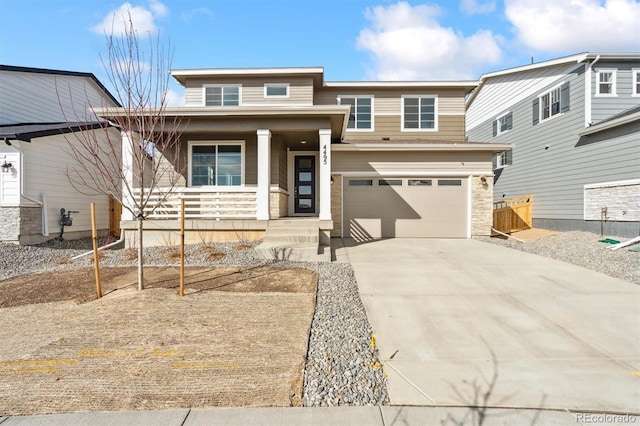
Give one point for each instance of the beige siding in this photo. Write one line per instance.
(410, 162)
(450, 128)
(300, 90)
(387, 111)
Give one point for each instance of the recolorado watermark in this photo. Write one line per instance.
(604, 418)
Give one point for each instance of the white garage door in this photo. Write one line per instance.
(405, 207)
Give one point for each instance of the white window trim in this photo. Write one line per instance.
(498, 131)
(373, 124)
(204, 94)
(191, 144)
(503, 156)
(285, 85)
(614, 87)
(435, 112)
(635, 79)
(542, 95)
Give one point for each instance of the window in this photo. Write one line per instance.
(390, 182)
(551, 103)
(360, 182)
(222, 95)
(449, 182)
(420, 182)
(361, 115)
(501, 159)
(503, 123)
(606, 83)
(276, 90)
(419, 113)
(215, 164)
(636, 81)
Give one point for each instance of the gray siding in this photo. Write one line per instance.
(603, 107)
(27, 97)
(551, 162)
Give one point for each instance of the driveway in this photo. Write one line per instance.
(561, 336)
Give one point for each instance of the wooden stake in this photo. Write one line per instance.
(182, 247)
(96, 264)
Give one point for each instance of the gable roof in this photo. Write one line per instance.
(565, 60)
(61, 72)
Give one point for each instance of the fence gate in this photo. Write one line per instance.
(115, 212)
(513, 214)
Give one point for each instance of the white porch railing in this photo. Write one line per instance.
(202, 203)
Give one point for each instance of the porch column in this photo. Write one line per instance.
(127, 175)
(264, 174)
(325, 174)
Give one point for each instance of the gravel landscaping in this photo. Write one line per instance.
(582, 249)
(342, 367)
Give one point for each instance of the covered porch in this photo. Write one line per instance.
(239, 170)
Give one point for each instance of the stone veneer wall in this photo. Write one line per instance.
(619, 198)
(336, 205)
(481, 205)
(278, 204)
(20, 224)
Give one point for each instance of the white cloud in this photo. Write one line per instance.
(173, 98)
(408, 43)
(143, 19)
(472, 7)
(188, 16)
(576, 25)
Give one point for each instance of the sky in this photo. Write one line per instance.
(352, 40)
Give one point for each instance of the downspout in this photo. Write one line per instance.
(42, 204)
(587, 92)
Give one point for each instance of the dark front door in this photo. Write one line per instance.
(305, 184)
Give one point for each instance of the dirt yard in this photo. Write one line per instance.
(237, 338)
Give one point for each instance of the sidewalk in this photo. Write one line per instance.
(347, 416)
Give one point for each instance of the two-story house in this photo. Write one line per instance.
(573, 124)
(365, 160)
(39, 109)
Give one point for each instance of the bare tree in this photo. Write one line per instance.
(140, 165)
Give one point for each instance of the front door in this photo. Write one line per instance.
(305, 184)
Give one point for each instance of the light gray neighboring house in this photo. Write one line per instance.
(574, 127)
(39, 108)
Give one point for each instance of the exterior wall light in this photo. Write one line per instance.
(6, 166)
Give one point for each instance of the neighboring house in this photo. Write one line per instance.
(364, 159)
(574, 127)
(38, 108)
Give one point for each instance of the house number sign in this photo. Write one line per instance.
(324, 154)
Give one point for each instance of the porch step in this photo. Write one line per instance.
(302, 252)
(293, 239)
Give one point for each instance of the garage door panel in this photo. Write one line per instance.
(378, 211)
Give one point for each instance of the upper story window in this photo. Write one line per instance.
(503, 123)
(636, 81)
(419, 113)
(606, 83)
(551, 103)
(361, 115)
(276, 90)
(222, 95)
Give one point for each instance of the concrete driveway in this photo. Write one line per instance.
(561, 336)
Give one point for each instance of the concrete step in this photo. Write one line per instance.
(294, 223)
(302, 252)
(293, 235)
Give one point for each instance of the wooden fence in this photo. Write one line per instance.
(513, 214)
(115, 212)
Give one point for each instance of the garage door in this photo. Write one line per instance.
(405, 207)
